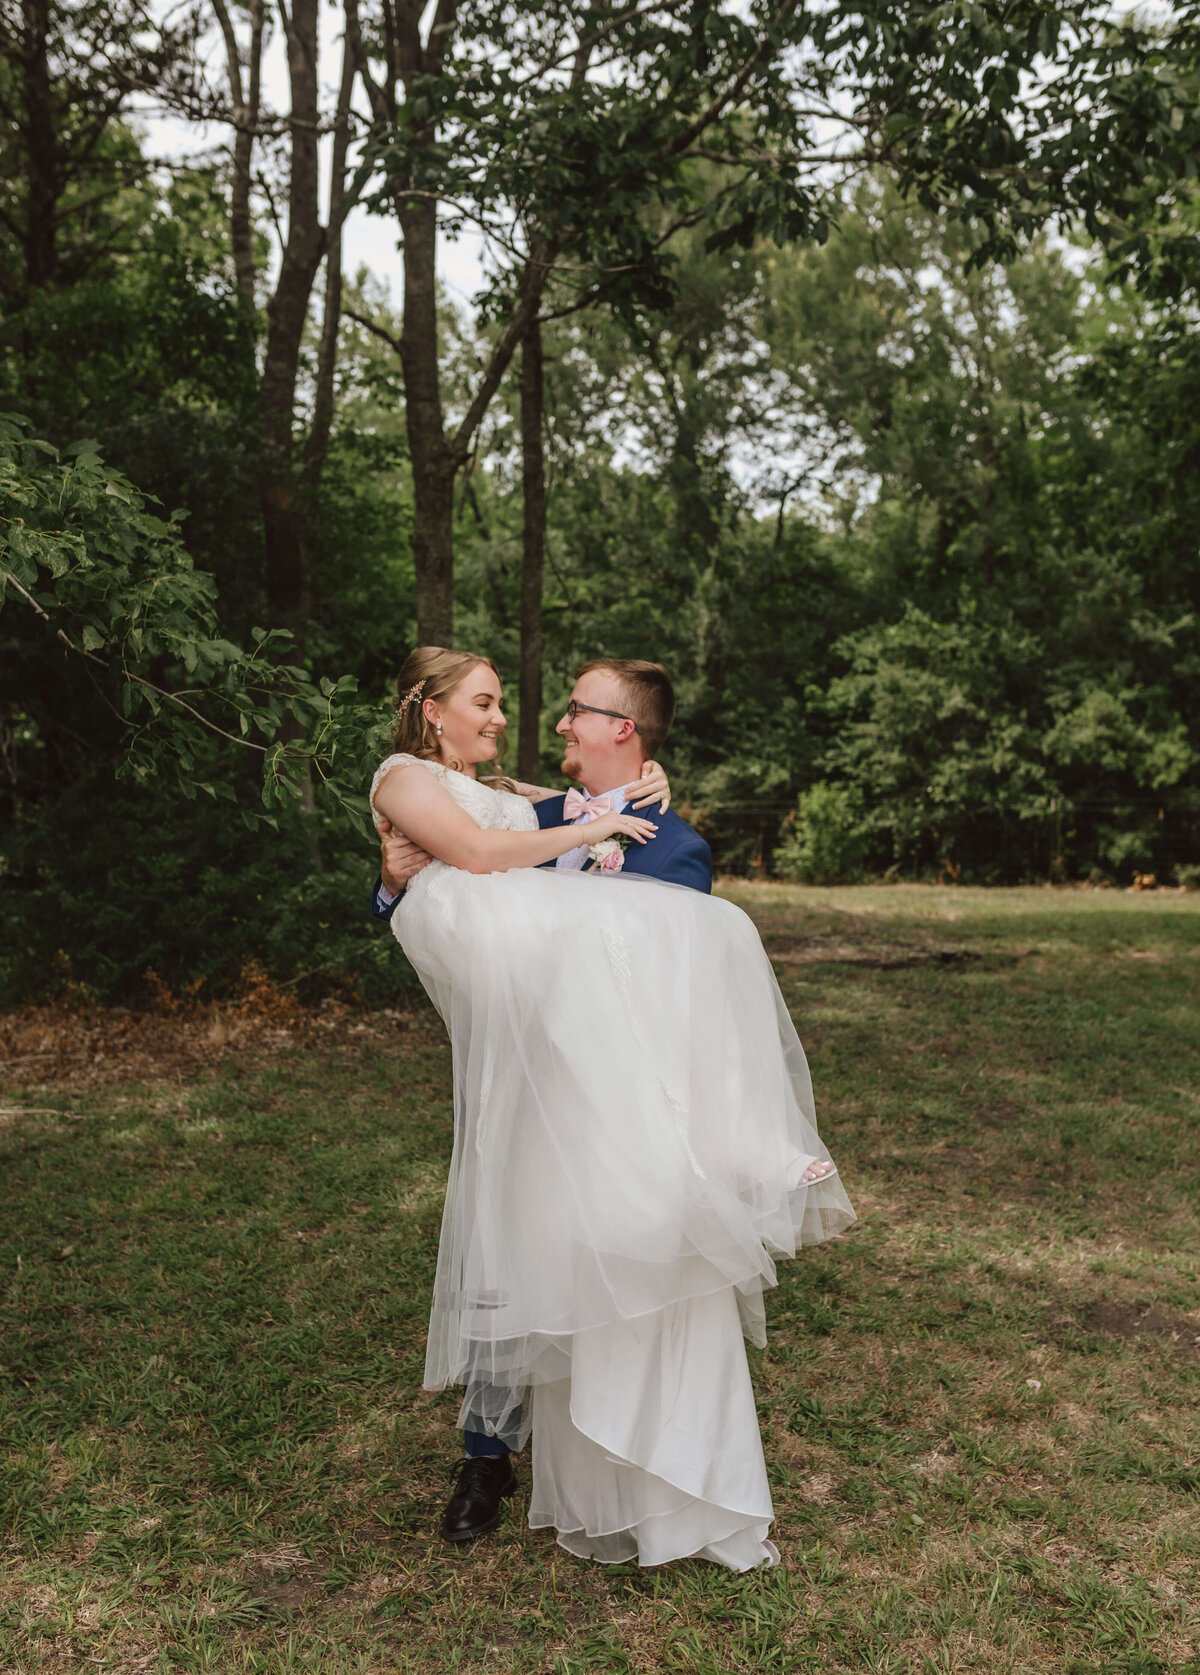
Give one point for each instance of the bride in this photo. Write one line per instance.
(634, 1145)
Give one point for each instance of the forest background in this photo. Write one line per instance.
(843, 359)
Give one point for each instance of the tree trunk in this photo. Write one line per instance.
(288, 591)
(436, 457)
(41, 245)
(698, 528)
(317, 445)
(434, 463)
(987, 502)
(287, 313)
(433, 552)
(533, 553)
(245, 102)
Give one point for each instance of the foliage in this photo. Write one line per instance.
(1004, 117)
(825, 842)
(913, 529)
(1017, 701)
(115, 663)
(114, 586)
(1009, 117)
(105, 884)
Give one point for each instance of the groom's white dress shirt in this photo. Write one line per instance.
(575, 859)
(572, 861)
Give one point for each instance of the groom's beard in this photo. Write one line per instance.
(572, 767)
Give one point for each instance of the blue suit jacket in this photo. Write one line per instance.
(678, 855)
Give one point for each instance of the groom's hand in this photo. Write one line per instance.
(399, 860)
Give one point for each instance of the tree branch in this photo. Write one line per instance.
(378, 96)
(706, 118)
(8, 579)
(385, 336)
(538, 268)
(587, 43)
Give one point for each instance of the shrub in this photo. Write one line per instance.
(107, 882)
(826, 843)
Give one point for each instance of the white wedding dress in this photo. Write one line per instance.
(633, 1126)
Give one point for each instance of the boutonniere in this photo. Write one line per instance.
(609, 855)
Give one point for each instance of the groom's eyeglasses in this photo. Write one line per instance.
(574, 708)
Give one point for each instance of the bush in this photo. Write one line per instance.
(826, 843)
(108, 882)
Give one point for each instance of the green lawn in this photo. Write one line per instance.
(980, 1406)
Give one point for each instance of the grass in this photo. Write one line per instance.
(979, 1406)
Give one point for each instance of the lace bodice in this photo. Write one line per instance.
(493, 811)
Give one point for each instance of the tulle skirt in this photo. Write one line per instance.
(633, 1126)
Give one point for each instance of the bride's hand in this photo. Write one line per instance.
(608, 825)
(653, 787)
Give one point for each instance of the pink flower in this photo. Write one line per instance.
(608, 855)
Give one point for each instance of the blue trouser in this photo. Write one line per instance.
(504, 1438)
(488, 1404)
(480, 1446)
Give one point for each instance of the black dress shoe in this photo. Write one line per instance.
(474, 1507)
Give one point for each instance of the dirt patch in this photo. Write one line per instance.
(283, 1580)
(936, 1464)
(789, 949)
(55, 1047)
(1134, 1320)
(959, 1157)
(995, 1113)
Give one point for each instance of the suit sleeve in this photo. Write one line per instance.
(691, 864)
(380, 909)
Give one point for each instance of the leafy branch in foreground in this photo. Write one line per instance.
(82, 551)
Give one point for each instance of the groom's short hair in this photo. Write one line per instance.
(646, 692)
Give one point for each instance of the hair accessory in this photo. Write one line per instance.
(409, 696)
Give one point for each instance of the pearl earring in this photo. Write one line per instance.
(439, 729)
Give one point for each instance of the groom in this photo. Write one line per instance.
(619, 713)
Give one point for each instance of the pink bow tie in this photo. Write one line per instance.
(578, 802)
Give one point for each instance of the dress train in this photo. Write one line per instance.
(650, 1450)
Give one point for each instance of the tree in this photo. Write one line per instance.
(555, 144)
(533, 551)
(287, 485)
(558, 127)
(124, 608)
(70, 72)
(1015, 700)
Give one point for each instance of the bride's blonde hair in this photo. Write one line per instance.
(431, 672)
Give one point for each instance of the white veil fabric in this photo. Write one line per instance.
(633, 1125)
